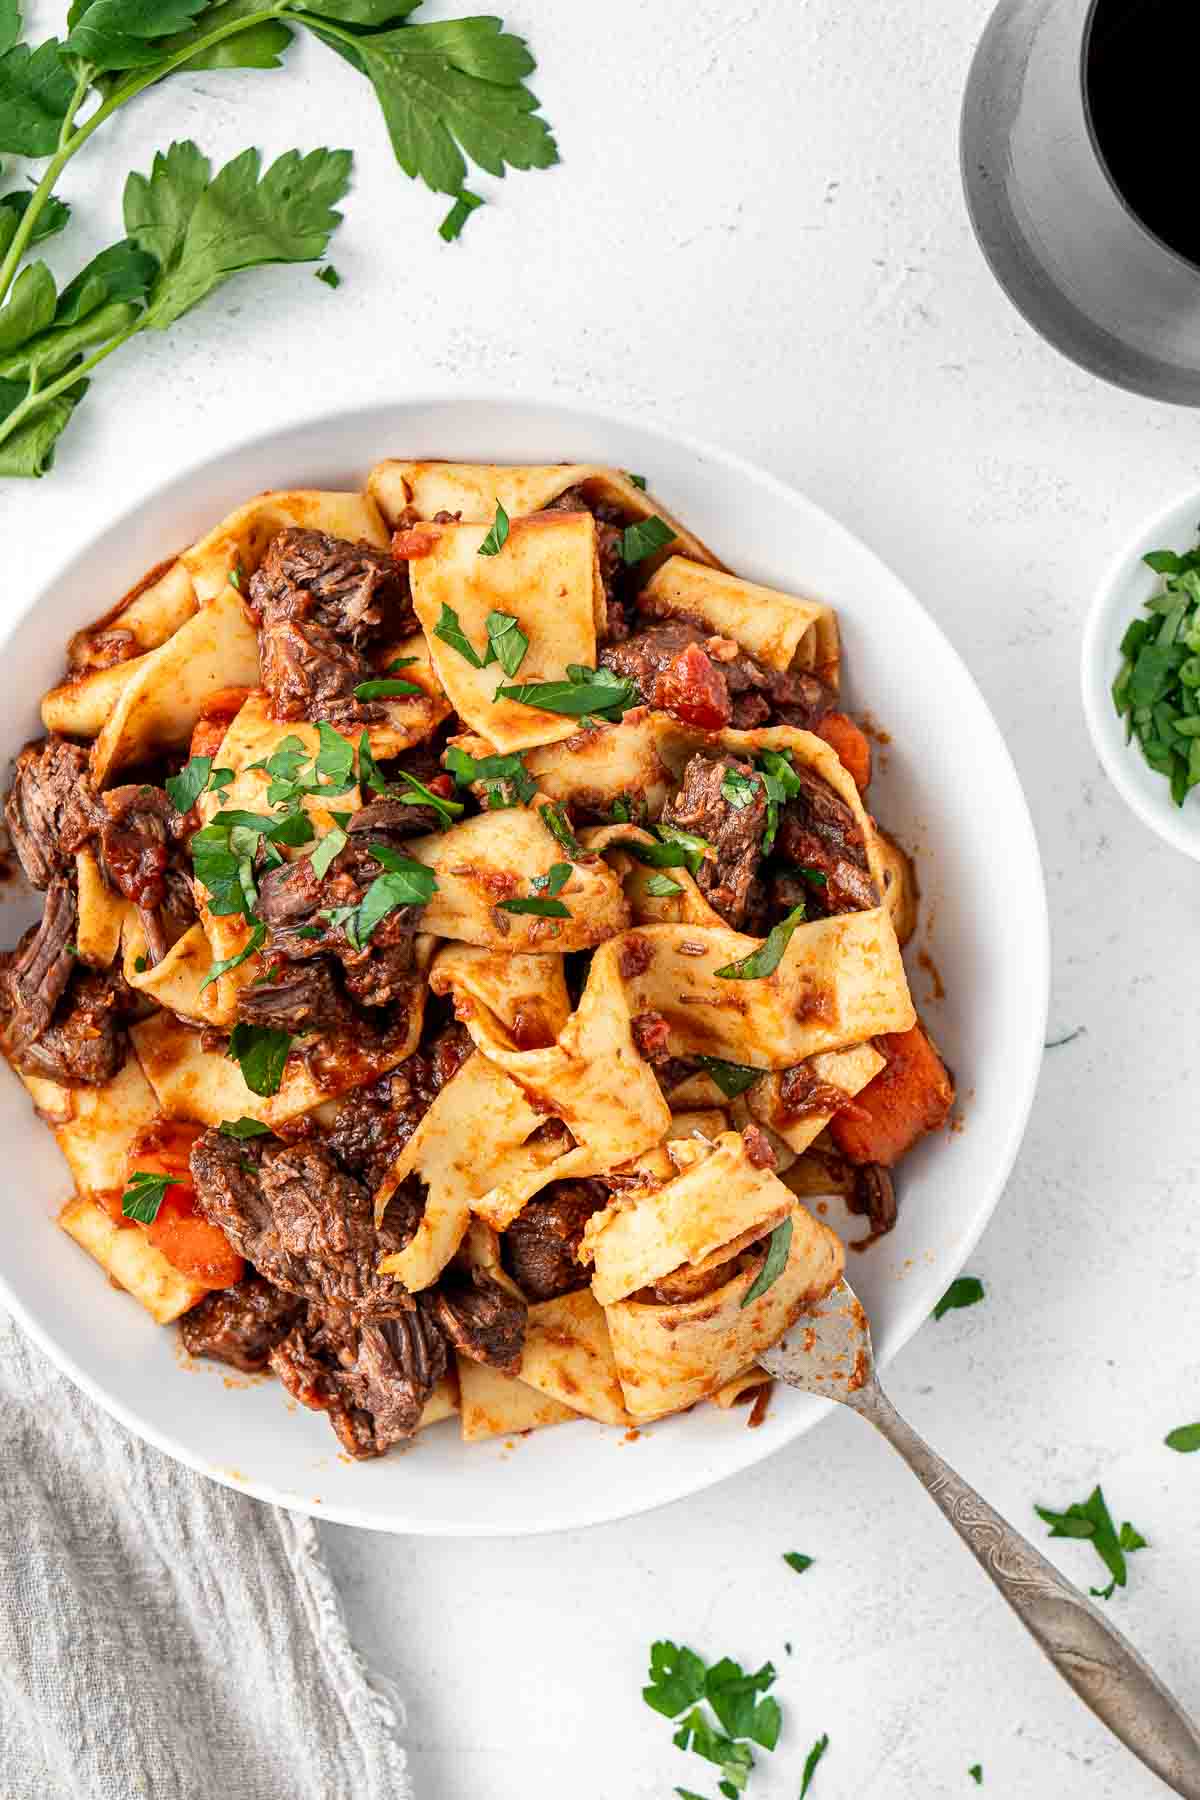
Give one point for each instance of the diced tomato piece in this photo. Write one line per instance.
(216, 715)
(416, 541)
(909, 1097)
(852, 745)
(692, 689)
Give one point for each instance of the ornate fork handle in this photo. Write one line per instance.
(1101, 1665)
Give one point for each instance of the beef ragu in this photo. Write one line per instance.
(409, 1051)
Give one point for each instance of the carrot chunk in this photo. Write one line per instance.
(912, 1095)
(852, 745)
(198, 1249)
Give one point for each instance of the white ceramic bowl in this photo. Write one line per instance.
(949, 791)
(1126, 586)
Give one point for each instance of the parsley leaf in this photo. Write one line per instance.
(144, 1195)
(643, 539)
(555, 820)
(778, 1249)
(676, 1678)
(639, 481)
(237, 219)
(553, 881)
(331, 845)
(1092, 1519)
(732, 1078)
(452, 633)
(334, 760)
(662, 887)
(766, 959)
(386, 689)
(976, 1773)
(810, 1767)
(732, 1694)
(243, 1128)
(441, 86)
(507, 642)
(795, 1560)
(967, 1290)
(585, 691)
(739, 790)
(539, 907)
(118, 34)
(254, 942)
(782, 784)
(1184, 1438)
(465, 204)
(329, 276)
(505, 779)
(406, 787)
(36, 88)
(261, 1054)
(184, 789)
(492, 545)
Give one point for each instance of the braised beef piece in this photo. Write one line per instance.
(240, 1325)
(61, 1020)
(374, 1123)
(481, 1318)
(301, 1221)
(818, 831)
(538, 1249)
(142, 852)
(680, 666)
(319, 602)
(52, 809)
(296, 997)
(373, 1377)
(874, 1194)
(615, 572)
(702, 804)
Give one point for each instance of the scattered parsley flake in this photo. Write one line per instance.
(254, 942)
(732, 1078)
(261, 1054)
(465, 204)
(639, 481)
(1091, 1519)
(584, 692)
(767, 958)
(1184, 1438)
(492, 545)
(662, 887)
(329, 276)
(966, 1290)
(243, 1128)
(795, 1560)
(643, 539)
(810, 1767)
(452, 633)
(778, 1248)
(976, 1773)
(385, 688)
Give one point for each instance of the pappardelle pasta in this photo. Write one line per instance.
(465, 948)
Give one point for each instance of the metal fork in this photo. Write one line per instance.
(828, 1352)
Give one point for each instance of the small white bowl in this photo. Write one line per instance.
(1126, 586)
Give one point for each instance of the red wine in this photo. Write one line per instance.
(1145, 129)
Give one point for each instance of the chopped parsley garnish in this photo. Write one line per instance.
(782, 784)
(976, 1773)
(675, 849)
(403, 883)
(224, 852)
(767, 958)
(585, 692)
(810, 1766)
(505, 779)
(639, 481)
(553, 881)
(144, 1195)
(496, 538)
(331, 845)
(778, 1248)
(744, 1712)
(967, 1290)
(1091, 1519)
(1157, 690)
(1184, 1438)
(406, 787)
(261, 1054)
(643, 539)
(507, 642)
(558, 825)
(620, 812)
(796, 1560)
(140, 965)
(452, 633)
(329, 276)
(662, 887)
(464, 205)
(738, 789)
(732, 1078)
(254, 942)
(335, 759)
(386, 688)
(542, 903)
(243, 1128)
(196, 776)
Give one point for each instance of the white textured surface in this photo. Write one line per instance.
(757, 235)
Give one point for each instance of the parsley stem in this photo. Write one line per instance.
(72, 141)
(36, 398)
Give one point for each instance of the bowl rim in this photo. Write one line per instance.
(1108, 616)
(577, 413)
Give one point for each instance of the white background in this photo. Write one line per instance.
(757, 235)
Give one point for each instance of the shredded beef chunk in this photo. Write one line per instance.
(679, 666)
(817, 831)
(240, 1325)
(301, 1221)
(706, 803)
(481, 1318)
(52, 809)
(372, 1378)
(296, 997)
(61, 1020)
(143, 858)
(539, 1247)
(320, 601)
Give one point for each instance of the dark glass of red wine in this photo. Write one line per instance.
(1077, 152)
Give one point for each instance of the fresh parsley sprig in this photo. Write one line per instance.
(1157, 690)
